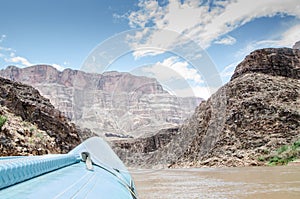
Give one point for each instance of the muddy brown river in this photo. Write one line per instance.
(250, 182)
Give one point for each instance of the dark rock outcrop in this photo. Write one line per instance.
(111, 103)
(276, 62)
(26, 102)
(133, 151)
(252, 115)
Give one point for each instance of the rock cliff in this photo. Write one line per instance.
(33, 125)
(252, 115)
(112, 104)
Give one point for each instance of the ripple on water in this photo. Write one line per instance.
(251, 182)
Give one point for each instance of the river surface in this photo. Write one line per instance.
(250, 182)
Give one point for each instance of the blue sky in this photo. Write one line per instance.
(141, 37)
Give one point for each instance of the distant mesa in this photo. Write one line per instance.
(115, 104)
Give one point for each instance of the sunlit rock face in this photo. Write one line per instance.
(113, 104)
(255, 113)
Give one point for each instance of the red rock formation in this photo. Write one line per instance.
(111, 103)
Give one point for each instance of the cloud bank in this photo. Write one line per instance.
(202, 22)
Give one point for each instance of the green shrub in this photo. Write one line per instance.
(3, 119)
(285, 154)
(296, 145)
(282, 149)
(261, 159)
(277, 161)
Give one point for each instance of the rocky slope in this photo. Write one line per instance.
(33, 125)
(113, 104)
(252, 115)
(19, 137)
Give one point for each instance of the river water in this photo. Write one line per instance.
(248, 182)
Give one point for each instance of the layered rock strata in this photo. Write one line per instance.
(113, 104)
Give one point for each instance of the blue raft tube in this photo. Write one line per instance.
(91, 170)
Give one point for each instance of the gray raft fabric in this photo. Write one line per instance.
(18, 169)
(102, 154)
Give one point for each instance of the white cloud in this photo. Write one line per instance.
(6, 49)
(18, 60)
(24, 62)
(203, 24)
(177, 77)
(150, 11)
(151, 41)
(228, 71)
(146, 52)
(10, 57)
(197, 91)
(226, 40)
(66, 63)
(176, 69)
(287, 39)
(58, 67)
(2, 38)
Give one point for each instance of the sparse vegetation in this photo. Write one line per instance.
(283, 155)
(39, 135)
(3, 119)
(276, 160)
(296, 145)
(261, 159)
(282, 149)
